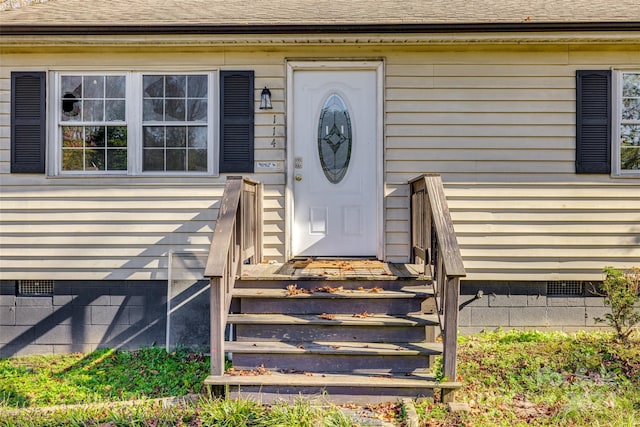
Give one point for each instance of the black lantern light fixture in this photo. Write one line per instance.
(265, 99)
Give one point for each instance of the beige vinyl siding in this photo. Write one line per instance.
(497, 121)
(68, 230)
(500, 128)
(106, 228)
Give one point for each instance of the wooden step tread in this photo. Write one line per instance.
(357, 319)
(311, 379)
(338, 347)
(421, 291)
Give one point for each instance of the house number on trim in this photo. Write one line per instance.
(334, 138)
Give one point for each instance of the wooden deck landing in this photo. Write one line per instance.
(334, 269)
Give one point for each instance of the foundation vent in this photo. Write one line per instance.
(565, 288)
(34, 288)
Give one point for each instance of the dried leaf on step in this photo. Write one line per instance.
(260, 370)
(329, 289)
(328, 316)
(376, 290)
(294, 290)
(362, 315)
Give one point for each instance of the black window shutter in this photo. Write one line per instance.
(236, 121)
(593, 121)
(28, 122)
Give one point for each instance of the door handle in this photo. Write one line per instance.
(298, 177)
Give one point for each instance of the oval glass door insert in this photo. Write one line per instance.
(334, 138)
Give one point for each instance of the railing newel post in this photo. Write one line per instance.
(442, 256)
(226, 254)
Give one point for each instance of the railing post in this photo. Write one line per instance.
(239, 220)
(218, 325)
(450, 339)
(433, 235)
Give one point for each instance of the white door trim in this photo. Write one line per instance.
(378, 67)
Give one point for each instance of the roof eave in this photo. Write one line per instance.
(35, 30)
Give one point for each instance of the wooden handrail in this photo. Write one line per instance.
(237, 239)
(434, 243)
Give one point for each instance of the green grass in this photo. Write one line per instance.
(545, 379)
(510, 379)
(101, 376)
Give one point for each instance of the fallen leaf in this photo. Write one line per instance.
(362, 315)
(260, 370)
(328, 316)
(329, 289)
(294, 290)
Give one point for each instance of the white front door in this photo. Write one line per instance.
(334, 140)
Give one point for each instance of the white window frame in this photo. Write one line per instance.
(133, 119)
(616, 123)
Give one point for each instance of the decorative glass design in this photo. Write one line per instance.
(335, 138)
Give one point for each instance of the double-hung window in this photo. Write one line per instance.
(93, 123)
(175, 123)
(134, 123)
(626, 123)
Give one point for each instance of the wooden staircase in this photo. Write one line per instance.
(356, 339)
(348, 336)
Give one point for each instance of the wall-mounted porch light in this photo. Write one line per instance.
(265, 99)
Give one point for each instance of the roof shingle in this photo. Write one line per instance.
(69, 13)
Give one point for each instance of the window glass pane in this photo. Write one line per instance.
(72, 136)
(153, 136)
(115, 87)
(115, 110)
(94, 136)
(153, 159)
(153, 110)
(175, 86)
(174, 110)
(630, 135)
(631, 109)
(197, 137)
(176, 136)
(93, 111)
(197, 110)
(93, 87)
(176, 160)
(117, 160)
(153, 86)
(72, 159)
(94, 159)
(117, 136)
(631, 85)
(197, 160)
(71, 107)
(71, 85)
(630, 158)
(197, 86)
